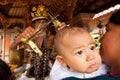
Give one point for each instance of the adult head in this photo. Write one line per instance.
(110, 43)
(76, 50)
(39, 15)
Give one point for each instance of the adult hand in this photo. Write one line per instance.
(27, 33)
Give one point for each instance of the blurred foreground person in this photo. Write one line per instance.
(5, 72)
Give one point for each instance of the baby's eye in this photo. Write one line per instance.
(79, 52)
(92, 47)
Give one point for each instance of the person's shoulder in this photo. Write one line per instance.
(95, 78)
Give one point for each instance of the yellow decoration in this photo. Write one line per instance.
(34, 9)
(12, 67)
(33, 46)
(39, 12)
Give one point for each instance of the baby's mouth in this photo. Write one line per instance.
(94, 65)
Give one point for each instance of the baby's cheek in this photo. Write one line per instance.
(99, 59)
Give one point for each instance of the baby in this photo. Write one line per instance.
(77, 55)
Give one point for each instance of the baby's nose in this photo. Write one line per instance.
(90, 57)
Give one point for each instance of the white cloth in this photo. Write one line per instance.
(24, 77)
(59, 72)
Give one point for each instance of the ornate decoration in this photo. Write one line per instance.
(39, 12)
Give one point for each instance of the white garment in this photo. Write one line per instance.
(24, 77)
(59, 72)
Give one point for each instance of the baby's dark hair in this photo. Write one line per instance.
(5, 72)
(115, 18)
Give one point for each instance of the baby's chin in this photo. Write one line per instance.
(90, 71)
(93, 68)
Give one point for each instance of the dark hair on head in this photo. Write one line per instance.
(115, 18)
(5, 72)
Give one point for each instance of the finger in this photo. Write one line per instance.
(26, 35)
(30, 30)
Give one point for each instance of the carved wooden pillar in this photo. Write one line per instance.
(3, 37)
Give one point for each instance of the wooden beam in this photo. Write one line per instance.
(2, 17)
(15, 20)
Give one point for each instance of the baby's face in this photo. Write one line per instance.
(80, 53)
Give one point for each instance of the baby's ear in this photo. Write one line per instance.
(61, 60)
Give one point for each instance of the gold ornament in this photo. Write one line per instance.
(39, 12)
